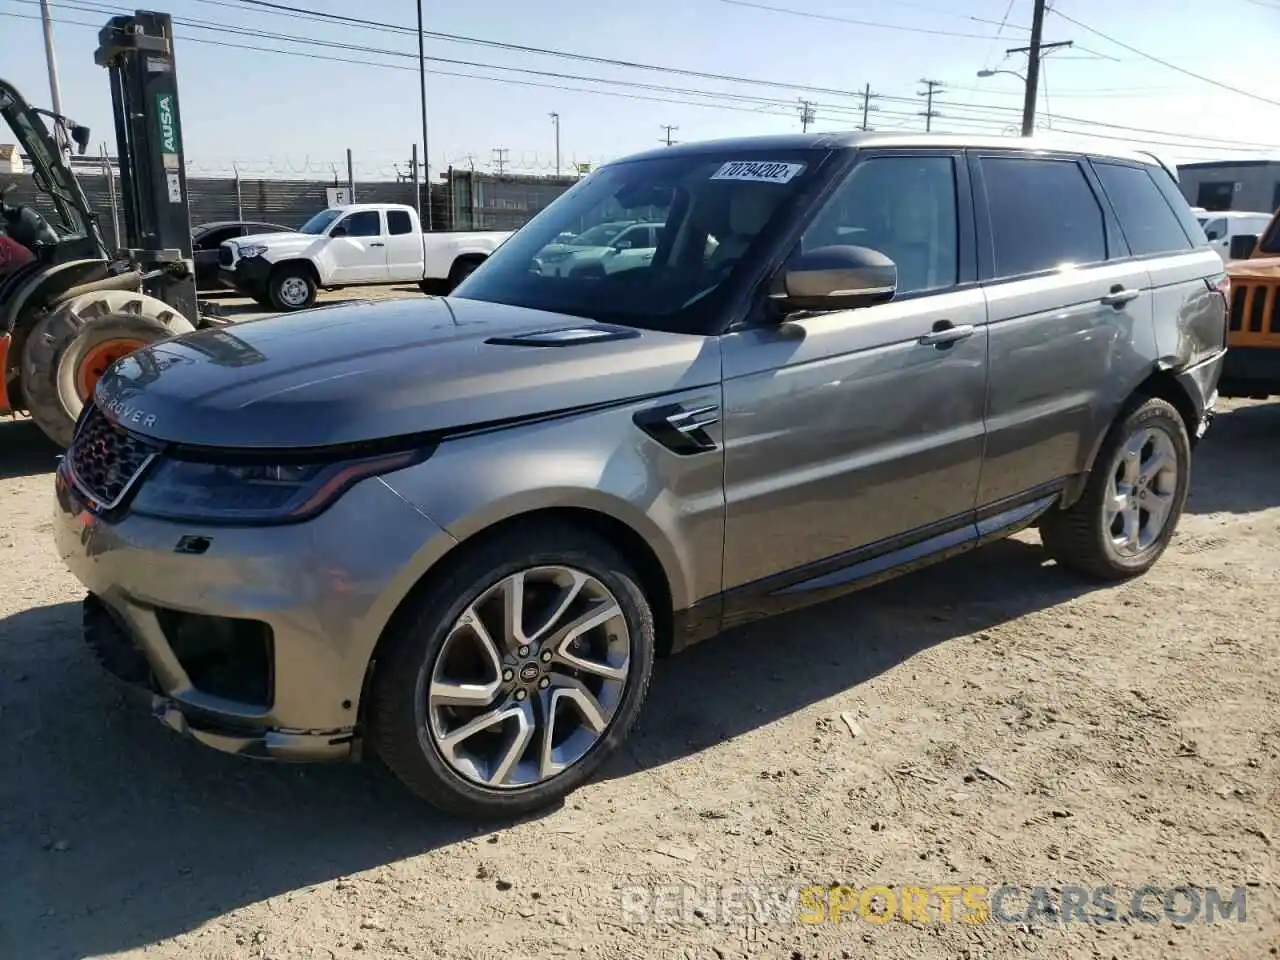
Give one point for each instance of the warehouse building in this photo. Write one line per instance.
(1232, 184)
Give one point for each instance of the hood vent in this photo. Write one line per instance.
(566, 336)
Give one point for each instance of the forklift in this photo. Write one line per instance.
(71, 307)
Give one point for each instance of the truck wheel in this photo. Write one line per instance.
(1133, 499)
(460, 271)
(69, 350)
(513, 676)
(292, 288)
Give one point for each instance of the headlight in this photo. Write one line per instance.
(251, 250)
(255, 492)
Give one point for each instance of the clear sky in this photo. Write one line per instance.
(277, 114)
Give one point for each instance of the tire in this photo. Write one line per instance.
(460, 270)
(1079, 538)
(291, 288)
(402, 719)
(73, 345)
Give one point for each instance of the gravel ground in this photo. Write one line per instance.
(988, 721)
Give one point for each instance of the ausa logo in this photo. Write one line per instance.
(168, 123)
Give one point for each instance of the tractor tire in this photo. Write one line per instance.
(69, 350)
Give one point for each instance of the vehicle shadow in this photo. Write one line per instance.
(126, 835)
(25, 451)
(753, 675)
(1235, 469)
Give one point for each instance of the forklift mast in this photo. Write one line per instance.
(138, 52)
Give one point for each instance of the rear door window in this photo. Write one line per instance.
(1044, 215)
(1148, 222)
(398, 222)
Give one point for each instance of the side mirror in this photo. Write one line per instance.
(837, 278)
(81, 137)
(1211, 234)
(338, 232)
(1242, 245)
(622, 245)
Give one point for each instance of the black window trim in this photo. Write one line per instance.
(1130, 256)
(966, 258)
(982, 212)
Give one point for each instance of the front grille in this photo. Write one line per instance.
(224, 256)
(1255, 314)
(105, 459)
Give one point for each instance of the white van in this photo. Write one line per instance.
(1222, 225)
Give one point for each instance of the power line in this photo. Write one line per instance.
(1165, 63)
(762, 105)
(858, 23)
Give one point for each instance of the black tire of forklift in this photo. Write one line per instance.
(291, 274)
(57, 345)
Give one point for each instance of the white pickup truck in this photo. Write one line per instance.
(356, 244)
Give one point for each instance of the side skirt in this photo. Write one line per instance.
(854, 570)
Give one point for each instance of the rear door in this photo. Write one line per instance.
(1190, 320)
(1069, 319)
(404, 248)
(360, 254)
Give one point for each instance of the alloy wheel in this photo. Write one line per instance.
(1140, 492)
(528, 678)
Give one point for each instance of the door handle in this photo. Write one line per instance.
(377, 243)
(1119, 296)
(945, 332)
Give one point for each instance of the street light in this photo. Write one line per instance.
(983, 74)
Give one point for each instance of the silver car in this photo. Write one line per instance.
(458, 531)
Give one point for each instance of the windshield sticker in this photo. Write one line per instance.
(758, 171)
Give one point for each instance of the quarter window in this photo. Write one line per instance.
(1148, 222)
(398, 222)
(903, 207)
(1044, 215)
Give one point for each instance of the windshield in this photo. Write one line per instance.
(320, 221)
(713, 211)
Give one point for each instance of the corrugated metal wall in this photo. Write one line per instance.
(477, 201)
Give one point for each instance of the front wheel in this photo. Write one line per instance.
(1135, 494)
(515, 675)
(291, 288)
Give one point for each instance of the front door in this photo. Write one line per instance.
(855, 434)
(359, 255)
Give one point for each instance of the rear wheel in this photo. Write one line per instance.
(462, 269)
(1130, 507)
(69, 350)
(515, 675)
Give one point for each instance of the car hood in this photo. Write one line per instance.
(1257, 268)
(289, 236)
(365, 371)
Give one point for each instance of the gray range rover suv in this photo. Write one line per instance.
(458, 530)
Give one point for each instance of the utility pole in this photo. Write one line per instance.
(422, 94)
(555, 119)
(55, 92)
(806, 114)
(1035, 53)
(927, 93)
(500, 159)
(866, 106)
(351, 178)
(417, 191)
(667, 139)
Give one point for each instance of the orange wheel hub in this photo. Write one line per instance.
(98, 358)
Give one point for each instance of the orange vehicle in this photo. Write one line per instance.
(1251, 367)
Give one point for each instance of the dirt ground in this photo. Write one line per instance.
(1010, 725)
